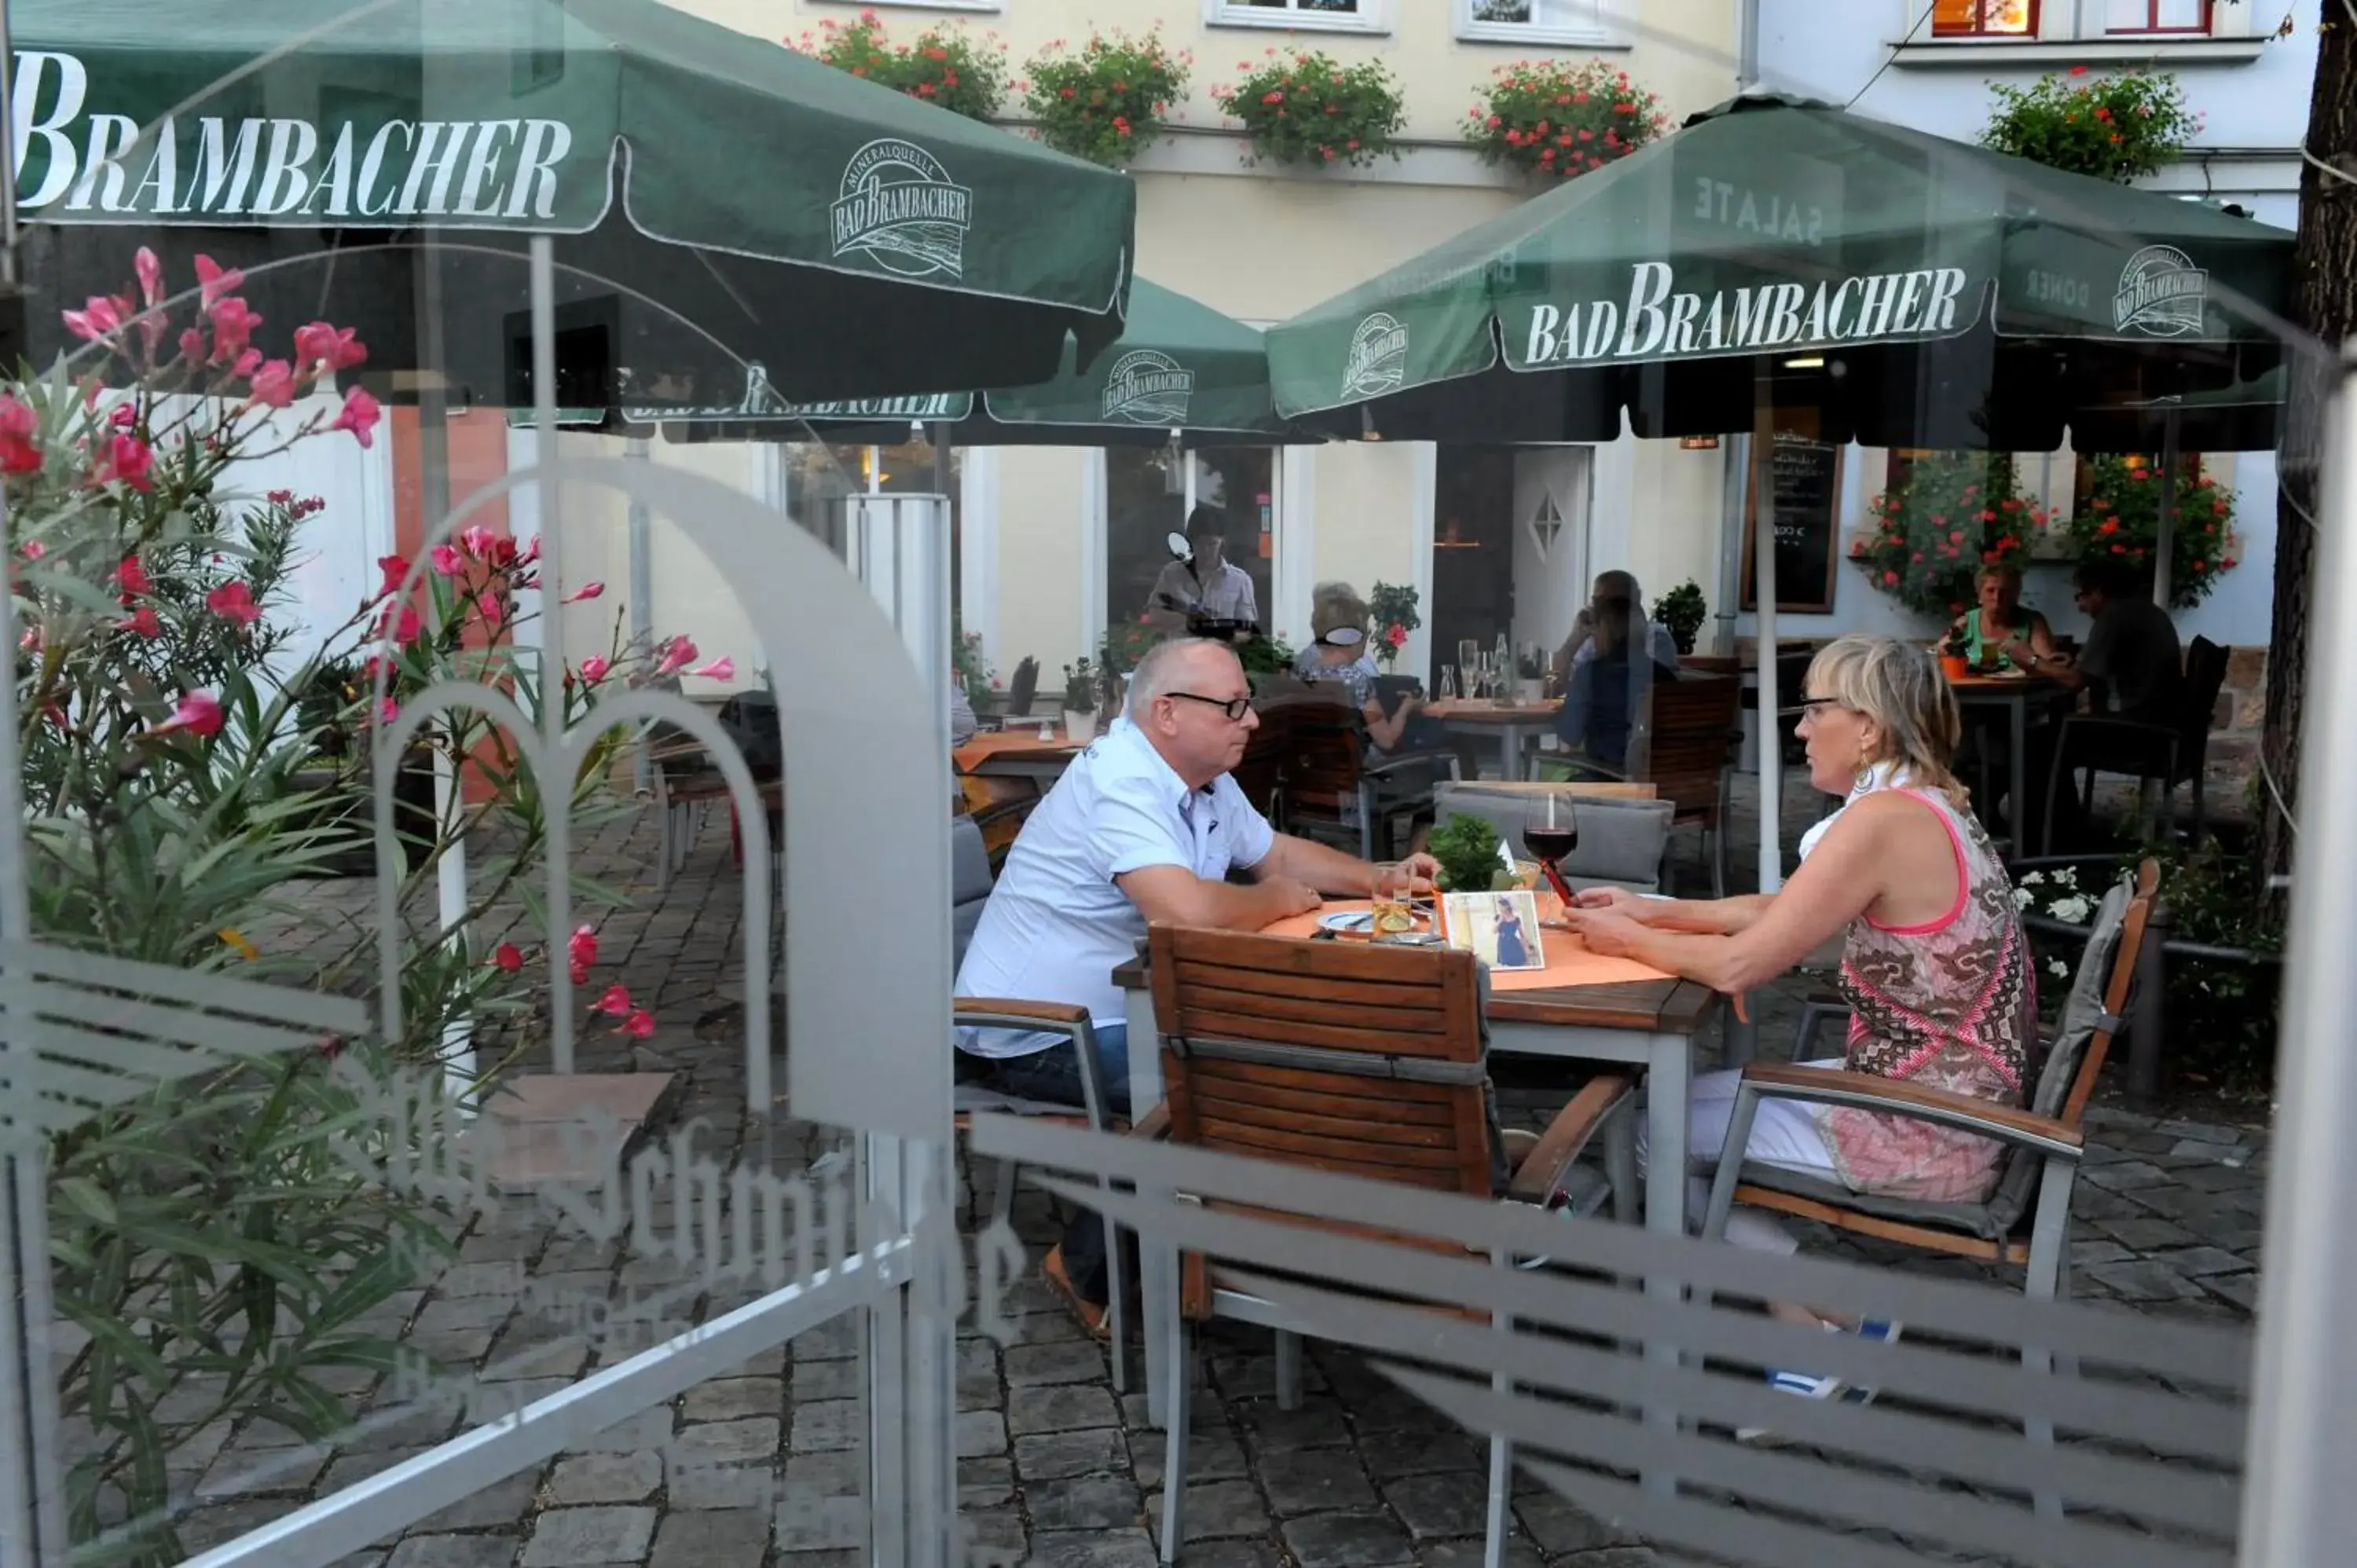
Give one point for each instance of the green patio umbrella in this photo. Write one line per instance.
(1917, 291)
(712, 195)
(1179, 366)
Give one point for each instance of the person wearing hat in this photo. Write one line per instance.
(1340, 653)
(1204, 587)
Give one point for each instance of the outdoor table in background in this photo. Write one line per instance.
(1581, 1007)
(1515, 724)
(2013, 693)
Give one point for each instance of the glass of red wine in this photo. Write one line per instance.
(1550, 832)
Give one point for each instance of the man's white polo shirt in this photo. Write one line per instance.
(1056, 925)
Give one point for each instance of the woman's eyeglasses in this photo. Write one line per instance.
(1234, 707)
(1818, 705)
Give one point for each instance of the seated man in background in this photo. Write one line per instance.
(2131, 667)
(1145, 826)
(1609, 586)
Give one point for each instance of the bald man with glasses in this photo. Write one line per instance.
(1145, 826)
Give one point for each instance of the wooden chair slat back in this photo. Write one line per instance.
(1388, 1007)
(1694, 734)
(1324, 746)
(2115, 988)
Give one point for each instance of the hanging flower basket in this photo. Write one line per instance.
(1555, 119)
(1954, 513)
(2121, 521)
(2112, 126)
(1306, 107)
(944, 65)
(1109, 101)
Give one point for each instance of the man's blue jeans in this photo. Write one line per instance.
(1054, 1076)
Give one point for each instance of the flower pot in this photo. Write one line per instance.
(1079, 728)
(1955, 666)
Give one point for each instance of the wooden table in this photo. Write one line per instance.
(1510, 721)
(1648, 1024)
(2011, 693)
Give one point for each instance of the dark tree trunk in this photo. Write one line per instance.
(2324, 306)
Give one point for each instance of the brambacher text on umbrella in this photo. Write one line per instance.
(252, 167)
(1662, 323)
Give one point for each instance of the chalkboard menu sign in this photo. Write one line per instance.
(1804, 499)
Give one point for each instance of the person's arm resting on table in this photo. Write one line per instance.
(1331, 870)
(1841, 878)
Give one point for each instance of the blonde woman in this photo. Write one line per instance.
(1935, 965)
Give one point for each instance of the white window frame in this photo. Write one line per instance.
(1372, 17)
(2071, 32)
(1602, 32)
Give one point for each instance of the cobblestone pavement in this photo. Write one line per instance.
(1051, 1462)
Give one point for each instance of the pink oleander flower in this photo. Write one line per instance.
(34, 549)
(199, 713)
(100, 316)
(678, 653)
(494, 610)
(235, 601)
(395, 569)
(508, 957)
(19, 453)
(151, 276)
(721, 668)
(194, 347)
(273, 385)
(387, 710)
(330, 347)
(128, 460)
(402, 622)
(616, 1002)
(359, 416)
(214, 281)
(594, 667)
(581, 952)
(132, 577)
(585, 592)
(639, 1026)
(233, 323)
(142, 622)
(447, 561)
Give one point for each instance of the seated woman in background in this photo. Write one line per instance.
(1998, 630)
(1341, 654)
(1934, 964)
(1604, 691)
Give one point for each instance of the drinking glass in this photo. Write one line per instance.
(1393, 915)
(1468, 659)
(1448, 682)
(1550, 832)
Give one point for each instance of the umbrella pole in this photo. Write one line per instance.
(2165, 533)
(1764, 586)
(458, 1049)
(2296, 1503)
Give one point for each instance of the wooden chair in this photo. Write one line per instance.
(1261, 774)
(2026, 1220)
(1339, 1056)
(2153, 754)
(1330, 791)
(2044, 1141)
(972, 872)
(1693, 728)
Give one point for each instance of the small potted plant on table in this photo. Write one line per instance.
(1956, 654)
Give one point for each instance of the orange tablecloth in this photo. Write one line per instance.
(1568, 960)
(996, 743)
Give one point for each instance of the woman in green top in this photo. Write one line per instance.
(1999, 631)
